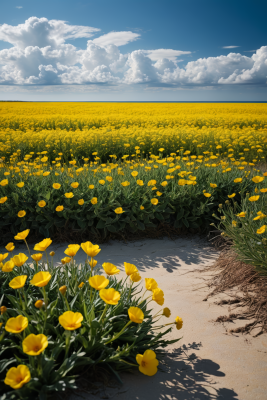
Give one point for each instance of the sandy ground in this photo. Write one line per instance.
(208, 362)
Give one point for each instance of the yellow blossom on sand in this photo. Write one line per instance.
(72, 250)
(136, 315)
(119, 210)
(16, 377)
(18, 282)
(110, 269)
(151, 284)
(254, 198)
(33, 345)
(39, 304)
(41, 279)
(135, 277)
(20, 259)
(22, 235)
(56, 185)
(231, 195)
(65, 260)
(130, 268)
(42, 203)
(90, 249)
(94, 200)
(69, 195)
(37, 257)
(154, 201)
(70, 320)
(63, 289)
(17, 324)
(158, 296)
(110, 296)
(3, 257)
(178, 322)
(21, 213)
(10, 247)
(166, 312)
(8, 266)
(42, 246)
(98, 282)
(257, 179)
(59, 208)
(147, 363)
(261, 230)
(81, 202)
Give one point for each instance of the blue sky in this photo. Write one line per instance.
(142, 50)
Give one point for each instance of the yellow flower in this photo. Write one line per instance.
(109, 178)
(102, 182)
(164, 183)
(119, 210)
(263, 190)
(16, 377)
(46, 173)
(18, 282)
(63, 289)
(147, 363)
(161, 149)
(65, 260)
(4, 182)
(91, 186)
(152, 182)
(261, 230)
(81, 202)
(110, 269)
(151, 284)
(56, 185)
(136, 315)
(92, 263)
(10, 247)
(234, 224)
(42, 246)
(257, 179)
(110, 296)
(182, 182)
(17, 324)
(59, 208)
(154, 201)
(3, 309)
(74, 185)
(3, 200)
(179, 322)
(21, 213)
(140, 182)
(213, 185)
(20, 184)
(90, 249)
(126, 183)
(37, 257)
(39, 304)
(22, 235)
(81, 285)
(33, 345)
(142, 207)
(254, 198)
(158, 296)
(241, 215)
(158, 193)
(3, 256)
(134, 173)
(72, 250)
(130, 268)
(8, 266)
(41, 279)
(135, 277)
(238, 180)
(69, 195)
(98, 282)
(207, 194)
(42, 203)
(94, 200)
(70, 320)
(166, 312)
(20, 259)
(231, 195)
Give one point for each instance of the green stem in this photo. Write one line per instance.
(129, 294)
(120, 333)
(104, 313)
(68, 335)
(27, 246)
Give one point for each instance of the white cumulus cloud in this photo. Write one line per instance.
(41, 55)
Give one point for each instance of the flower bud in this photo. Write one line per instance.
(39, 304)
(227, 202)
(166, 312)
(52, 253)
(220, 206)
(63, 290)
(3, 309)
(81, 285)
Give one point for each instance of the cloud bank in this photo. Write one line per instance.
(41, 56)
